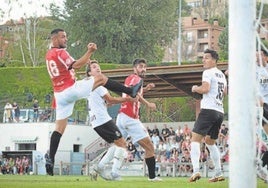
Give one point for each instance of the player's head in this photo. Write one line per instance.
(139, 66)
(212, 53)
(210, 58)
(58, 38)
(93, 68)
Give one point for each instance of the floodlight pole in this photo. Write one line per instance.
(179, 34)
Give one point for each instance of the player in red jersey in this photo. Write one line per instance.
(67, 90)
(129, 123)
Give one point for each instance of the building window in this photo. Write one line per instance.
(189, 49)
(202, 47)
(77, 148)
(189, 36)
(202, 34)
(28, 146)
(206, 3)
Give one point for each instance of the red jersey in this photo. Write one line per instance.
(58, 61)
(131, 108)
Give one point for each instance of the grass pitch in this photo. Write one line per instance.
(17, 181)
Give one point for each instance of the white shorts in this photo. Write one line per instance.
(66, 99)
(131, 127)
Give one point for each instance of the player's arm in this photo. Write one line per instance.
(147, 103)
(91, 48)
(202, 89)
(116, 100)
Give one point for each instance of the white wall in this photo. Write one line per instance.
(74, 134)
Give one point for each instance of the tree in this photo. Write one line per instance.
(223, 44)
(122, 29)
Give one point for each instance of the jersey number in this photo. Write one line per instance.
(220, 90)
(53, 69)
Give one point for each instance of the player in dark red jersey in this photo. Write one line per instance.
(67, 90)
(129, 123)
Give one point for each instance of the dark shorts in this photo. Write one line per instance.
(265, 114)
(109, 131)
(208, 123)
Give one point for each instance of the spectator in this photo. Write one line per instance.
(179, 130)
(165, 132)
(16, 109)
(7, 118)
(186, 130)
(172, 132)
(223, 134)
(25, 165)
(36, 110)
(150, 132)
(155, 139)
(156, 130)
(18, 164)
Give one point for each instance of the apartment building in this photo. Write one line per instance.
(196, 36)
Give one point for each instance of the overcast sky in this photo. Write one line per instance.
(15, 9)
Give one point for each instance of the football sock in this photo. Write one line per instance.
(150, 162)
(215, 156)
(118, 159)
(107, 157)
(117, 87)
(54, 143)
(195, 155)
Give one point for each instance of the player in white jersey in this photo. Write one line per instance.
(210, 118)
(103, 124)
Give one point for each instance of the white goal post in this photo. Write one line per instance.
(242, 86)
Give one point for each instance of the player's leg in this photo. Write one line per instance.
(149, 157)
(195, 156)
(102, 80)
(64, 109)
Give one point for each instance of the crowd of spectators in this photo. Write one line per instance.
(172, 145)
(19, 165)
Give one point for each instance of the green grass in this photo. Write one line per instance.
(17, 181)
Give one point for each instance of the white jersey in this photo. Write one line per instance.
(98, 113)
(214, 98)
(262, 79)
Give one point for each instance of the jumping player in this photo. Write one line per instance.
(67, 90)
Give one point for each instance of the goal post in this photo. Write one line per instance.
(242, 100)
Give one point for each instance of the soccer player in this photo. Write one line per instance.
(67, 90)
(129, 123)
(210, 118)
(103, 123)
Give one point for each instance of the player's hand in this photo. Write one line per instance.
(194, 88)
(152, 106)
(150, 86)
(92, 47)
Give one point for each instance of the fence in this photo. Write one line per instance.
(138, 168)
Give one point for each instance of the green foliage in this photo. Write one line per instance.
(223, 44)
(21, 81)
(122, 29)
(28, 42)
(170, 110)
(264, 13)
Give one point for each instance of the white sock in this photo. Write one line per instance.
(195, 155)
(107, 157)
(215, 156)
(119, 155)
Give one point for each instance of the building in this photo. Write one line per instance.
(197, 35)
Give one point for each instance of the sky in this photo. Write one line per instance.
(15, 9)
